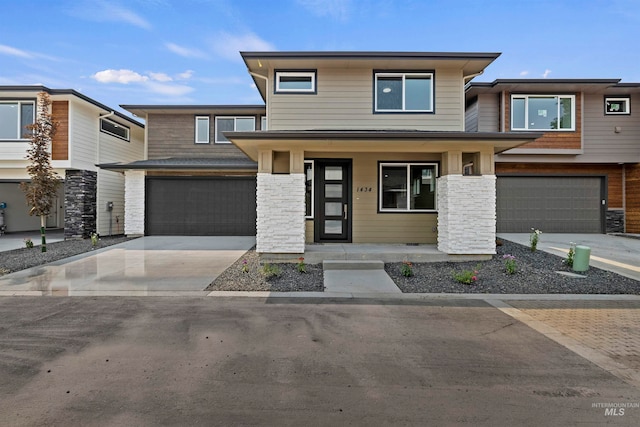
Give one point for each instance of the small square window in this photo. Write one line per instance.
(295, 82)
(620, 105)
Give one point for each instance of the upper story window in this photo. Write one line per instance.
(230, 124)
(15, 116)
(114, 129)
(407, 187)
(403, 92)
(295, 81)
(202, 129)
(263, 123)
(543, 112)
(619, 105)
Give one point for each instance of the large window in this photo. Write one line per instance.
(231, 124)
(408, 187)
(308, 186)
(295, 82)
(202, 129)
(15, 116)
(404, 92)
(114, 129)
(543, 112)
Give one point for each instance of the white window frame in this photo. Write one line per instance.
(19, 122)
(207, 120)
(526, 111)
(404, 91)
(313, 186)
(627, 101)
(310, 74)
(408, 166)
(235, 121)
(263, 123)
(115, 124)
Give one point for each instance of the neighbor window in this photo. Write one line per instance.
(202, 129)
(263, 123)
(295, 82)
(308, 186)
(617, 105)
(231, 124)
(410, 92)
(14, 119)
(408, 187)
(543, 112)
(114, 129)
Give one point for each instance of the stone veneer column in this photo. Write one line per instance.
(467, 214)
(134, 199)
(79, 203)
(280, 213)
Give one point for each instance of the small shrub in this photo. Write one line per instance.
(28, 243)
(570, 255)
(534, 237)
(94, 239)
(270, 270)
(406, 270)
(245, 267)
(4, 271)
(302, 267)
(467, 276)
(510, 263)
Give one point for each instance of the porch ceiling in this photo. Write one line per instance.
(378, 141)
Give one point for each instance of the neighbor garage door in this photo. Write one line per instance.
(568, 204)
(219, 206)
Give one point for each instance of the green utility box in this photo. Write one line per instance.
(581, 258)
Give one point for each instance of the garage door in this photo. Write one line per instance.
(219, 206)
(568, 204)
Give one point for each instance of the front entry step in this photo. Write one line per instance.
(352, 265)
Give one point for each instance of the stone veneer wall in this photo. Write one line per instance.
(467, 214)
(80, 203)
(280, 223)
(615, 221)
(134, 200)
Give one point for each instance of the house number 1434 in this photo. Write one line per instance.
(364, 190)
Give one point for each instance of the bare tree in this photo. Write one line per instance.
(42, 189)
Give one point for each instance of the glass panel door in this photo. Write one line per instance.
(333, 223)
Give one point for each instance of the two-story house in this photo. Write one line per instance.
(88, 133)
(583, 174)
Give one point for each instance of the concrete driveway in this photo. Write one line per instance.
(618, 254)
(155, 265)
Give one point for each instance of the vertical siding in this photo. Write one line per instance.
(632, 185)
(600, 138)
(344, 100)
(60, 143)
(471, 117)
(488, 112)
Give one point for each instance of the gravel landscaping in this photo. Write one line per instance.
(21, 259)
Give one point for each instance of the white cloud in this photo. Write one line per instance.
(185, 51)
(160, 77)
(171, 90)
(228, 45)
(546, 73)
(119, 76)
(524, 73)
(8, 50)
(120, 13)
(186, 75)
(102, 11)
(336, 9)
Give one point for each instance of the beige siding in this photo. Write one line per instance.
(601, 142)
(488, 112)
(368, 225)
(345, 101)
(173, 135)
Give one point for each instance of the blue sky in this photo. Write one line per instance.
(186, 51)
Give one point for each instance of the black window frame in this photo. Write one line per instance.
(116, 125)
(403, 74)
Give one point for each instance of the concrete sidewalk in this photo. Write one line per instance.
(12, 241)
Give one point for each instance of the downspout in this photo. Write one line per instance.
(470, 76)
(100, 117)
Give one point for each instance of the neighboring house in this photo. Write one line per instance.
(362, 147)
(88, 133)
(583, 174)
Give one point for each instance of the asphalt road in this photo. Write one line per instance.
(177, 361)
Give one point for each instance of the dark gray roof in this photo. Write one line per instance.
(185, 163)
(369, 55)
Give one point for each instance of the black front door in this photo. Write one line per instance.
(333, 201)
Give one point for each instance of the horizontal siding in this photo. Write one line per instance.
(613, 173)
(368, 225)
(344, 100)
(110, 189)
(60, 142)
(471, 118)
(600, 138)
(488, 112)
(632, 185)
(173, 135)
(113, 149)
(83, 131)
(556, 139)
(13, 150)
